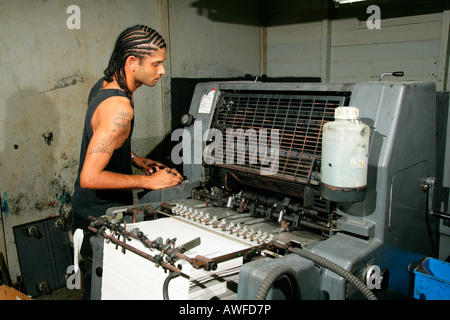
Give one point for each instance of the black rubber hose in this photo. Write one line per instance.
(166, 284)
(275, 274)
(336, 269)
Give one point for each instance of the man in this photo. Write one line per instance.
(105, 177)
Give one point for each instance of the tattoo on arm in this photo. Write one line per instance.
(104, 146)
(122, 120)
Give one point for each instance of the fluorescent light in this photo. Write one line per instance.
(347, 1)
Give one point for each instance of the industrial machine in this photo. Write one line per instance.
(259, 172)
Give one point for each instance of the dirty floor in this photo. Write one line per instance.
(62, 294)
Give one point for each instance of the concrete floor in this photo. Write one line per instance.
(62, 294)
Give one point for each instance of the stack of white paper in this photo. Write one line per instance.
(130, 276)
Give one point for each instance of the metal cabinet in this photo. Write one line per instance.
(44, 253)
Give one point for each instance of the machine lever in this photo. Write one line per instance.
(429, 188)
(395, 74)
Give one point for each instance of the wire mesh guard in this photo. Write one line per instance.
(298, 120)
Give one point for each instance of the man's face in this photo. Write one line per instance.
(150, 68)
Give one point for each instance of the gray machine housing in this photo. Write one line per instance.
(391, 228)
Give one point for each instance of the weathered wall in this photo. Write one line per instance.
(47, 70)
(214, 38)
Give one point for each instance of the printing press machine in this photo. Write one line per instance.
(305, 239)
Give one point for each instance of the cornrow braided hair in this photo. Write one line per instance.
(138, 41)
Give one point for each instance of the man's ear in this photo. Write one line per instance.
(132, 63)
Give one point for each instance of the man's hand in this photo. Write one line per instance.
(160, 175)
(165, 178)
(147, 165)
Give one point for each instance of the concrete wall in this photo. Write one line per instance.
(47, 70)
(214, 38)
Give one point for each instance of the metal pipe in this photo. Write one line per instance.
(159, 261)
(145, 241)
(171, 276)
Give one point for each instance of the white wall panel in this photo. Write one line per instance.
(356, 53)
(294, 51)
(402, 44)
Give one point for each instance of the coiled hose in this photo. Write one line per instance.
(276, 273)
(336, 269)
(273, 275)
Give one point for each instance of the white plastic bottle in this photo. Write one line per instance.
(345, 150)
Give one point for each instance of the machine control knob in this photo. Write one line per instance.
(188, 213)
(262, 238)
(193, 214)
(256, 235)
(229, 227)
(176, 209)
(214, 222)
(199, 216)
(183, 211)
(205, 219)
(236, 229)
(187, 119)
(243, 232)
(249, 235)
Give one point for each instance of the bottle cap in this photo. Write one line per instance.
(346, 113)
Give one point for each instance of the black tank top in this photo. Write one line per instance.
(86, 202)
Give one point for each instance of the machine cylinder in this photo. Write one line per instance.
(345, 149)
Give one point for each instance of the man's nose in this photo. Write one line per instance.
(161, 70)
